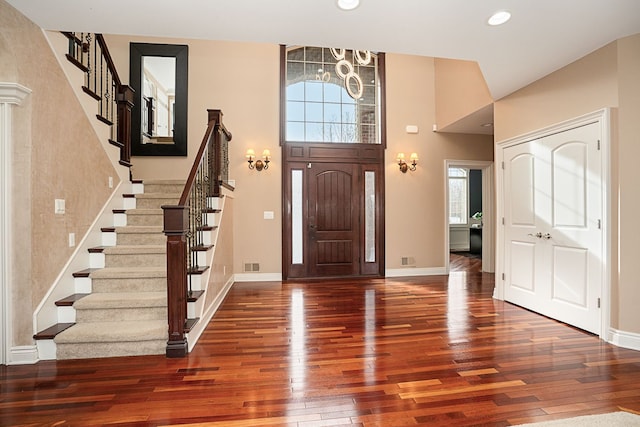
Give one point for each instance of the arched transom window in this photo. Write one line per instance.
(331, 95)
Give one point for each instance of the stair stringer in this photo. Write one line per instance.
(47, 313)
(218, 279)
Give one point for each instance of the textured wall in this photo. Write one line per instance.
(57, 156)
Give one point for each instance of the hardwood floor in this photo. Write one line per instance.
(387, 352)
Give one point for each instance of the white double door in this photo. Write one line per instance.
(553, 218)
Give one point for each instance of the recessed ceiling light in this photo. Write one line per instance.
(499, 18)
(348, 4)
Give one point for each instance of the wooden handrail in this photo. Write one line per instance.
(184, 226)
(107, 57)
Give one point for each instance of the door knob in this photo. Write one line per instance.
(546, 236)
(538, 235)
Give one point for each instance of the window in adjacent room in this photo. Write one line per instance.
(332, 95)
(458, 196)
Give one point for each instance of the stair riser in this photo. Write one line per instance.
(128, 260)
(111, 349)
(119, 219)
(213, 218)
(144, 203)
(122, 314)
(136, 220)
(215, 202)
(158, 284)
(141, 239)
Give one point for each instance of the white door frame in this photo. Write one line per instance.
(488, 260)
(604, 118)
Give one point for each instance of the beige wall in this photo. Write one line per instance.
(246, 88)
(415, 214)
(56, 155)
(584, 86)
(628, 175)
(241, 79)
(460, 90)
(607, 77)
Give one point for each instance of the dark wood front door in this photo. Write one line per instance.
(333, 211)
(333, 220)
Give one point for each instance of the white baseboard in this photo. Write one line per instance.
(258, 277)
(624, 339)
(407, 272)
(23, 355)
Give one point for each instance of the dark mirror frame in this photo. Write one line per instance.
(181, 53)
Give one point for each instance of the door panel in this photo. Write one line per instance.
(570, 266)
(553, 205)
(522, 177)
(523, 267)
(568, 169)
(521, 221)
(334, 239)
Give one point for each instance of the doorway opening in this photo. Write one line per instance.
(473, 233)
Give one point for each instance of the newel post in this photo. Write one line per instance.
(176, 226)
(125, 101)
(214, 152)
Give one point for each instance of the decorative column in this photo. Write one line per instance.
(10, 94)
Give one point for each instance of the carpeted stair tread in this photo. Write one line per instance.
(175, 196)
(164, 186)
(163, 181)
(140, 235)
(129, 272)
(135, 249)
(121, 300)
(114, 332)
(145, 217)
(133, 229)
(144, 211)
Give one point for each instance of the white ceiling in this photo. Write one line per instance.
(541, 37)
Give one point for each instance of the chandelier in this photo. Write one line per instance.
(346, 70)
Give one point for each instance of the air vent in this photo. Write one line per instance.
(251, 267)
(407, 261)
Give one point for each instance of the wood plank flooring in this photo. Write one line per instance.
(385, 352)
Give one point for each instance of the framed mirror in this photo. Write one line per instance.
(159, 75)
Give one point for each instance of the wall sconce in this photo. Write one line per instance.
(403, 164)
(259, 163)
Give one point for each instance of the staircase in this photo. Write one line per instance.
(118, 306)
(126, 312)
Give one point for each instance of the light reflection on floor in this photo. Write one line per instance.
(297, 352)
(457, 307)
